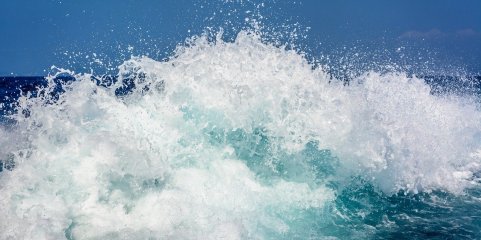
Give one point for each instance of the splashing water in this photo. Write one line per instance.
(240, 140)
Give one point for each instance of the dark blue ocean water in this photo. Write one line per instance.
(12, 87)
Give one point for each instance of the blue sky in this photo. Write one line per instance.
(437, 34)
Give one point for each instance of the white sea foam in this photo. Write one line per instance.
(168, 162)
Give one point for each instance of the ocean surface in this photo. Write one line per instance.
(240, 139)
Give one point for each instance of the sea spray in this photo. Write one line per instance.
(236, 140)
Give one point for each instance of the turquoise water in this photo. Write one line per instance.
(241, 140)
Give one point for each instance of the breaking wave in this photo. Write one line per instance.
(235, 140)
